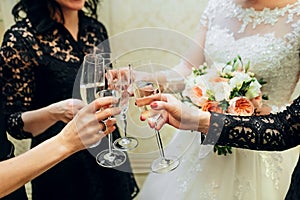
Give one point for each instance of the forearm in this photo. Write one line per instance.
(37, 121)
(203, 121)
(19, 170)
(173, 79)
(269, 133)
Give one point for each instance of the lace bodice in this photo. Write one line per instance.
(269, 39)
(39, 69)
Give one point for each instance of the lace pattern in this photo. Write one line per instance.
(266, 16)
(39, 69)
(274, 132)
(269, 39)
(25, 54)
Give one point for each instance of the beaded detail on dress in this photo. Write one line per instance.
(266, 16)
(271, 43)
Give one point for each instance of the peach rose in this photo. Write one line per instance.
(212, 106)
(240, 106)
(197, 96)
(197, 91)
(220, 79)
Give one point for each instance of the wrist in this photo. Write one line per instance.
(204, 121)
(51, 115)
(66, 140)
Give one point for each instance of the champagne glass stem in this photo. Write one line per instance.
(160, 144)
(125, 123)
(109, 143)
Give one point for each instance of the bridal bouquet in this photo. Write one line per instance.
(225, 88)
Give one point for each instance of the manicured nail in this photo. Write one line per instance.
(142, 118)
(153, 105)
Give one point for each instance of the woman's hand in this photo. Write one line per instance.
(175, 113)
(114, 75)
(88, 127)
(65, 110)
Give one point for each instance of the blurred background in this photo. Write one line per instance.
(171, 20)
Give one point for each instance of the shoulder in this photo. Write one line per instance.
(20, 31)
(93, 24)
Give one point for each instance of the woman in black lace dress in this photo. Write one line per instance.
(274, 132)
(40, 58)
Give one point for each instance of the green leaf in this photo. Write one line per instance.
(247, 67)
(240, 59)
(265, 97)
(223, 104)
(211, 95)
(262, 81)
(222, 150)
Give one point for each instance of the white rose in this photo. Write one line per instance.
(221, 91)
(238, 79)
(254, 90)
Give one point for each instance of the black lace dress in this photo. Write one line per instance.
(39, 69)
(272, 133)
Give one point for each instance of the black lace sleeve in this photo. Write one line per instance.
(16, 73)
(279, 131)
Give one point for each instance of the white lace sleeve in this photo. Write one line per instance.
(205, 18)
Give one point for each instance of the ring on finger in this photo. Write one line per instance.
(104, 126)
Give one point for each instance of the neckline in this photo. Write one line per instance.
(276, 9)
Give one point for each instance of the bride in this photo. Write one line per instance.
(267, 33)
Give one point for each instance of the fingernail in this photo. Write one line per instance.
(153, 105)
(142, 118)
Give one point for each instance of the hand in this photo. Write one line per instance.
(175, 113)
(65, 110)
(87, 127)
(113, 76)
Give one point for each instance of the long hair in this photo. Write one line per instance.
(42, 12)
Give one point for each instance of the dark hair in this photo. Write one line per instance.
(41, 12)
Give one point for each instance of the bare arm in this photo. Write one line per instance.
(37, 121)
(81, 132)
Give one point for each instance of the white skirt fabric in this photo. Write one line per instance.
(202, 174)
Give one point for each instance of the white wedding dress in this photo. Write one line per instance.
(270, 39)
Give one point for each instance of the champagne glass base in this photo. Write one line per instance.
(125, 143)
(96, 144)
(162, 166)
(110, 159)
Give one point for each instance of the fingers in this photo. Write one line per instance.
(106, 113)
(103, 102)
(160, 105)
(76, 103)
(147, 100)
(160, 121)
(157, 97)
(107, 126)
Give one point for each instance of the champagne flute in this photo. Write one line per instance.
(111, 157)
(124, 143)
(146, 84)
(92, 79)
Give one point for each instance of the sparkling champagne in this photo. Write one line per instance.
(91, 91)
(144, 89)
